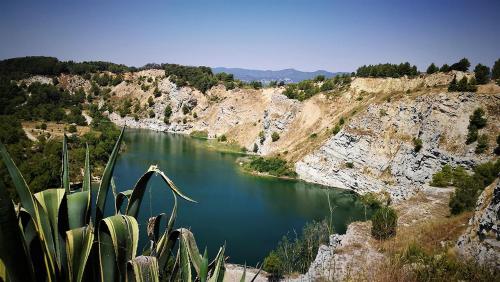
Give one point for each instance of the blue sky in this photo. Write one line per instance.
(306, 35)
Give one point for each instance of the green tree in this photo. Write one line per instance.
(482, 144)
(445, 68)
(495, 72)
(462, 65)
(482, 74)
(432, 69)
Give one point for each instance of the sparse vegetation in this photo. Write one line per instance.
(482, 144)
(294, 254)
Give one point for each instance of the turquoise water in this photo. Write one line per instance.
(248, 213)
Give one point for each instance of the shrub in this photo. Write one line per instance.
(136, 117)
(157, 92)
(482, 144)
(43, 126)
(336, 129)
(167, 112)
(72, 128)
(185, 109)
(497, 149)
(273, 166)
(384, 223)
(349, 165)
(151, 101)
(275, 136)
(195, 115)
(313, 135)
(255, 148)
(152, 114)
(199, 134)
(222, 138)
(262, 137)
(417, 144)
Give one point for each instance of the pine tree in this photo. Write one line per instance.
(432, 69)
(445, 68)
(482, 74)
(495, 72)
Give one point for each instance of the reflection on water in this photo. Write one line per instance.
(250, 214)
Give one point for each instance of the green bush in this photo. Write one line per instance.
(43, 126)
(151, 101)
(384, 223)
(199, 134)
(272, 166)
(72, 128)
(222, 138)
(417, 144)
(275, 136)
(482, 144)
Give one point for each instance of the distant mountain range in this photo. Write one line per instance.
(265, 76)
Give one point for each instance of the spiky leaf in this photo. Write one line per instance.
(65, 166)
(106, 179)
(78, 246)
(143, 269)
(118, 239)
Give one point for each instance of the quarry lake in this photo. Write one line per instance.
(248, 213)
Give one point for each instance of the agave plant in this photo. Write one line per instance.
(61, 235)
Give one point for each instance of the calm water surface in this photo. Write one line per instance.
(248, 213)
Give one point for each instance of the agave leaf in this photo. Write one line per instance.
(106, 179)
(87, 179)
(143, 268)
(120, 199)
(3, 271)
(192, 248)
(14, 255)
(175, 270)
(185, 263)
(242, 279)
(140, 187)
(78, 209)
(49, 206)
(113, 187)
(258, 272)
(165, 247)
(78, 246)
(65, 166)
(203, 275)
(170, 226)
(118, 239)
(22, 189)
(218, 272)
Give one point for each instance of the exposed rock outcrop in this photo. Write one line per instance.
(481, 240)
(375, 152)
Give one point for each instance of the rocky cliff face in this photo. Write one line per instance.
(481, 241)
(375, 151)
